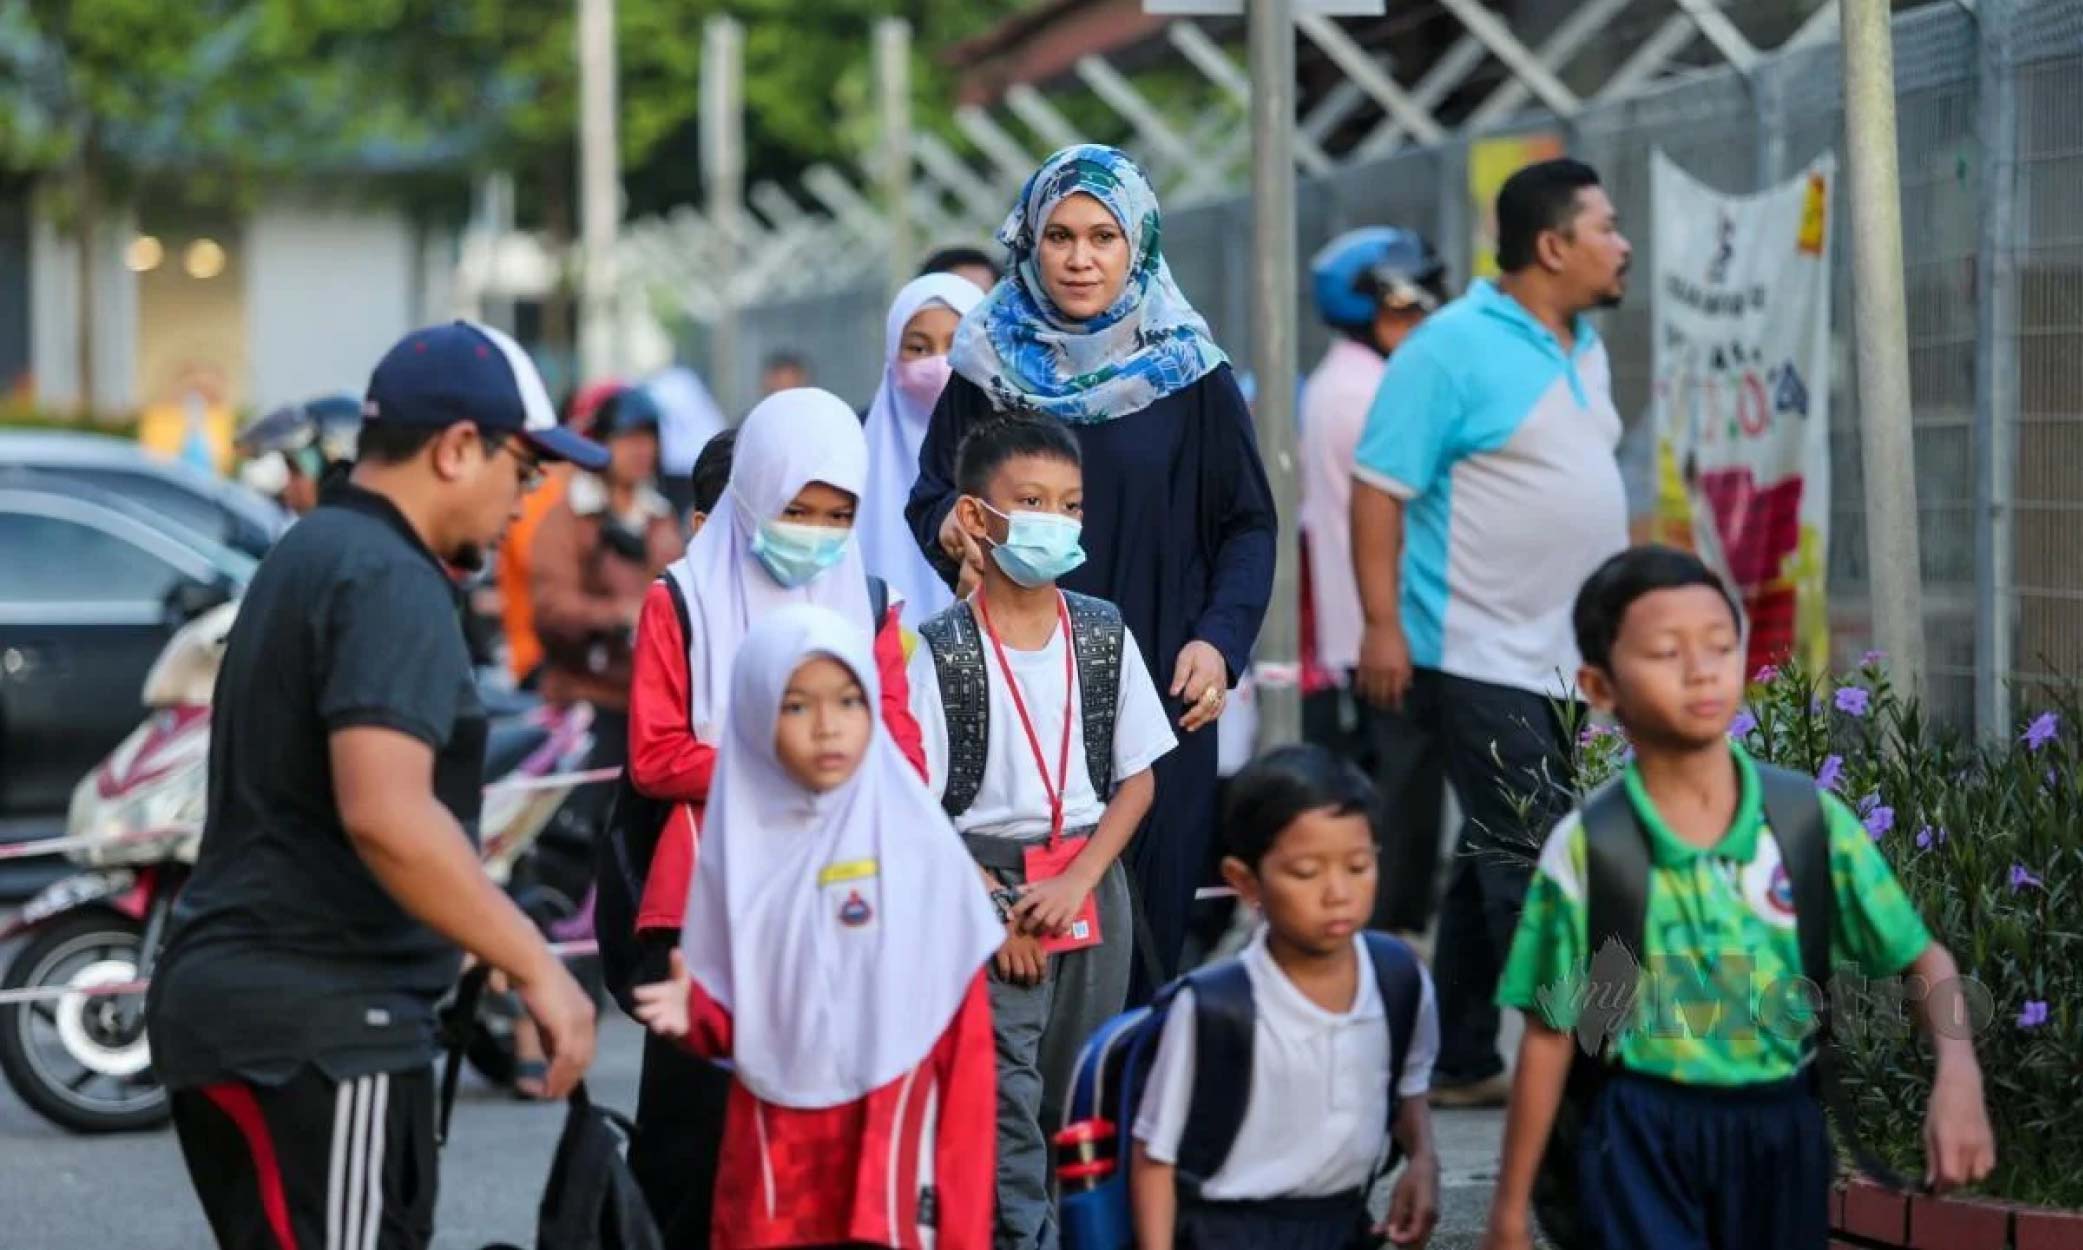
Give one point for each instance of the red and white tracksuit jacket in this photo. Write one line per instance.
(912, 1165)
(668, 763)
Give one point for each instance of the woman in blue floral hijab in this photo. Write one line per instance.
(1088, 328)
(1025, 348)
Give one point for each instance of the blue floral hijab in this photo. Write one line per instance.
(1027, 354)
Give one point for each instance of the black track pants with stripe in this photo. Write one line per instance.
(314, 1164)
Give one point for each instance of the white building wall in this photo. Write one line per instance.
(329, 288)
(54, 293)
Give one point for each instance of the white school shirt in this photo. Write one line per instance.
(1010, 801)
(1316, 1120)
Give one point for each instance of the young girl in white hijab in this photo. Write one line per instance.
(916, 336)
(834, 952)
(782, 533)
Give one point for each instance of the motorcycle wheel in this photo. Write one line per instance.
(82, 1063)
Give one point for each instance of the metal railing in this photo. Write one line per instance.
(1990, 101)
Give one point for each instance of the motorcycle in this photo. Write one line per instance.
(81, 1059)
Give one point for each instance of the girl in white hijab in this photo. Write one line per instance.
(836, 942)
(916, 336)
(780, 534)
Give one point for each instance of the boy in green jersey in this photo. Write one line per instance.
(1706, 1132)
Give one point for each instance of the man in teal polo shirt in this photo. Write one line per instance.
(1485, 490)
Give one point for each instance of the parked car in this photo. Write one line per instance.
(226, 512)
(92, 585)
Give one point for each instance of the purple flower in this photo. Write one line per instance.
(1742, 725)
(1767, 675)
(1928, 837)
(2034, 1015)
(1871, 658)
(2021, 879)
(1827, 777)
(1876, 816)
(1854, 700)
(2041, 731)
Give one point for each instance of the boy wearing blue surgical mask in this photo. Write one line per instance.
(1040, 723)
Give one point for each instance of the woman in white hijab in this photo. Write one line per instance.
(916, 336)
(782, 534)
(834, 951)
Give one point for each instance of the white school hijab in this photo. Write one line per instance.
(842, 930)
(895, 427)
(791, 439)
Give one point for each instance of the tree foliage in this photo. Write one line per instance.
(219, 92)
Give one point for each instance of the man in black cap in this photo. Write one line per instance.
(292, 1016)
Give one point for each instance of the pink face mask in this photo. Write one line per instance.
(921, 381)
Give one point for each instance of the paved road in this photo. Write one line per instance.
(62, 1192)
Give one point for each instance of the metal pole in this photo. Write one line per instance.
(1889, 455)
(893, 83)
(1996, 370)
(600, 188)
(723, 169)
(1273, 288)
(497, 198)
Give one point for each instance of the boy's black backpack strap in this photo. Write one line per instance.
(878, 604)
(1616, 907)
(958, 665)
(1616, 910)
(1402, 986)
(1794, 812)
(1097, 636)
(1223, 1019)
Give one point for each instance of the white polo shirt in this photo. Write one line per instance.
(1315, 1123)
(1335, 401)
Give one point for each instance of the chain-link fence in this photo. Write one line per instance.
(2002, 551)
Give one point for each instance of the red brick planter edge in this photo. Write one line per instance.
(1865, 1216)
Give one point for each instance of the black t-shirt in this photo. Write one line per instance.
(285, 950)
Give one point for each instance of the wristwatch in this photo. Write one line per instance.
(1003, 899)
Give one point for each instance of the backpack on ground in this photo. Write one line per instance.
(591, 1201)
(1096, 1144)
(628, 838)
(1616, 909)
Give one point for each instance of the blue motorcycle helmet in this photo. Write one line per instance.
(1362, 271)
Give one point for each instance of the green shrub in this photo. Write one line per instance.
(1988, 840)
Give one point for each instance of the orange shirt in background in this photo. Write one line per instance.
(516, 569)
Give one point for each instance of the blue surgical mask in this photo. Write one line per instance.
(1039, 547)
(794, 553)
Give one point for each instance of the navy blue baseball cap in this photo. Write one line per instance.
(464, 371)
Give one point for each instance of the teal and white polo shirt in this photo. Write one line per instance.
(1501, 446)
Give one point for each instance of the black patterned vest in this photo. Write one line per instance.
(959, 663)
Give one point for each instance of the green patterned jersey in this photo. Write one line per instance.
(1721, 999)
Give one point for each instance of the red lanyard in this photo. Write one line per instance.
(1055, 792)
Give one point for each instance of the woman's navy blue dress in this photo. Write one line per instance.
(1179, 533)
